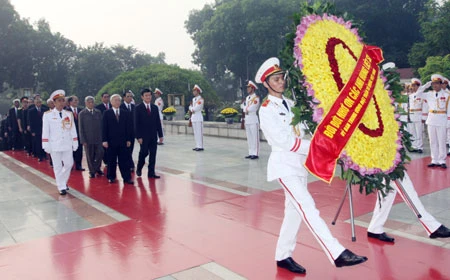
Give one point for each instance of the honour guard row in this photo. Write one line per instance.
(431, 108)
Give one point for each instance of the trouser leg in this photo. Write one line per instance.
(429, 223)
(198, 134)
(381, 211)
(297, 191)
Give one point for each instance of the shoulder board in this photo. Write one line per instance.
(266, 103)
(46, 112)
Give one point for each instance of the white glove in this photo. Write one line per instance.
(427, 85)
(304, 146)
(75, 146)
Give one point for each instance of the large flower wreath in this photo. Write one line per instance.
(327, 51)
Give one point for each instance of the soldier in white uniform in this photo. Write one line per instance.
(59, 139)
(415, 124)
(159, 102)
(285, 164)
(250, 106)
(196, 109)
(437, 120)
(446, 89)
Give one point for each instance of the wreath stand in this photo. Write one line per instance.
(348, 189)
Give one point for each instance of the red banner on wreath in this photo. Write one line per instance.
(340, 122)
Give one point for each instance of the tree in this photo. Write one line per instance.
(168, 78)
(53, 57)
(435, 28)
(15, 48)
(393, 25)
(97, 65)
(435, 64)
(236, 35)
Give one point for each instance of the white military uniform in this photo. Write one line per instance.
(383, 207)
(286, 165)
(437, 107)
(59, 139)
(159, 102)
(415, 125)
(250, 107)
(197, 120)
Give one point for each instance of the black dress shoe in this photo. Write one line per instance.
(432, 165)
(448, 154)
(91, 175)
(101, 173)
(348, 258)
(254, 157)
(381, 236)
(154, 176)
(139, 172)
(441, 232)
(443, 166)
(200, 149)
(249, 156)
(419, 151)
(111, 181)
(130, 182)
(291, 265)
(63, 192)
(79, 168)
(195, 149)
(160, 143)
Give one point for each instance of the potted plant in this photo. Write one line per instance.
(229, 114)
(169, 112)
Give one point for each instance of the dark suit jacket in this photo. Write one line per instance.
(90, 126)
(13, 119)
(102, 107)
(35, 120)
(117, 133)
(133, 110)
(147, 126)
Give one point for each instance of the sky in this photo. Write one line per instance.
(152, 26)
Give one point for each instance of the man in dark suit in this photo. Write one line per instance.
(105, 105)
(13, 127)
(130, 107)
(24, 125)
(78, 154)
(90, 135)
(35, 122)
(117, 137)
(147, 129)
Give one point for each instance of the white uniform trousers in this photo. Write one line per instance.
(197, 127)
(416, 130)
(382, 209)
(252, 131)
(448, 138)
(438, 147)
(300, 206)
(62, 165)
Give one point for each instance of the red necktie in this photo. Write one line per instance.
(148, 109)
(75, 114)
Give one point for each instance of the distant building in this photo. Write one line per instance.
(406, 74)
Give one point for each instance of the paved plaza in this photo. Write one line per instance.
(212, 215)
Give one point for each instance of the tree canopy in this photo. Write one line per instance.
(435, 27)
(168, 78)
(232, 35)
(435, 64)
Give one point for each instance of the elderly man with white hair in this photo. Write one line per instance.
(90, 134)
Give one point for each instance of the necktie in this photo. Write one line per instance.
(107, 106)
(129, 107)
(117, 115)
(60, 114)
(285, 104)
(148, 109)
(75, 113)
